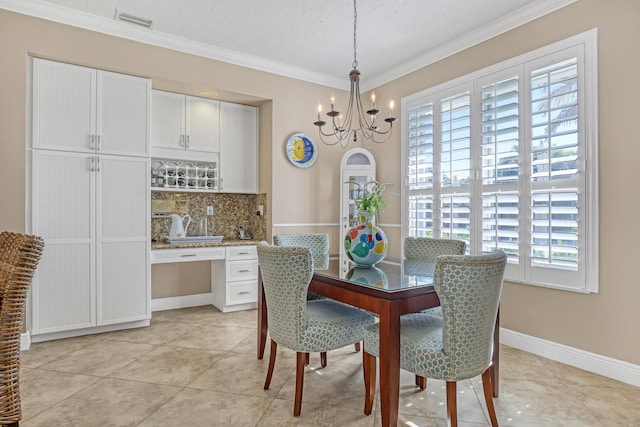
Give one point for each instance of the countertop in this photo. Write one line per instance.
(225, 242)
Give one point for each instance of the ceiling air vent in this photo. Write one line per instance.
(132, 19)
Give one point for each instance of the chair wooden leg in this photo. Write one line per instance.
(452, 405)
(301, 358)
(357, 346)
(488, 396)
(272, 363)
(369, 369)
(323, 359)
(421, 382)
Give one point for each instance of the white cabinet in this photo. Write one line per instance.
(86, 110)
(185, 127)
(359, 165)
(89, 199)
(234, 283)
(238, 148)
(92, 212)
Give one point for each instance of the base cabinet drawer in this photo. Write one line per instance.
(242, 270)
(161, 256)
(242, 252)
(242, 292)
(234, 281)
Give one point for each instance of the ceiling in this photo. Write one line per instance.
(309, 40)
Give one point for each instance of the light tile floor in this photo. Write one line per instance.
(198, 367)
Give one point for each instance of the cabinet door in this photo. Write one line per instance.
(63, 106)
(123, 239)
(63, 212)
(168, 120)
(359, 165)
(238, 148)
(202, 124)
(122, 125)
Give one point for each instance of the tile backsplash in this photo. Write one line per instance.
(230, 212)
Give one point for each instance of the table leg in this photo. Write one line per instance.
(389, 364)
(495, 358)
(262, 318)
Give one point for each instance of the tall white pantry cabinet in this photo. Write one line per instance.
(89, 199)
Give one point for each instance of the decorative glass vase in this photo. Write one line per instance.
(366, 244)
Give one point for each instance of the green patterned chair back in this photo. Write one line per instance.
(318, 244)
(428, 249)
(286, 273)
(469, 289)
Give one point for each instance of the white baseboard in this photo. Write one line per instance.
(172, 303)
(25, 341)
(602, 365)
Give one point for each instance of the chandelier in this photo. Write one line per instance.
(356, 123)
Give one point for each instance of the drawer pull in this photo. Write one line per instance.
(243, 253)
(244, 271)
(244, 293)
(186, 255)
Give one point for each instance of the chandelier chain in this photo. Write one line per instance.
(358, 123)
(355, 40)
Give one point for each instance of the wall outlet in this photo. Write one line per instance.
(209, 210)
(260, 210)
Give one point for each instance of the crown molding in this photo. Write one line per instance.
(515, 19)
(75, 18)
(79, 19)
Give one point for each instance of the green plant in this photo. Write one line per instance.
(370, 199)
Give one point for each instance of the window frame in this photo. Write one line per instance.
(584, 46)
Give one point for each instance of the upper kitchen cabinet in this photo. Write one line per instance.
(185, 127)
(238, 148)
(81, 109)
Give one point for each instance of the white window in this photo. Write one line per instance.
(506, 158)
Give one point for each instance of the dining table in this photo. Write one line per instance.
(389, 290)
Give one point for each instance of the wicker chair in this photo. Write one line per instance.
(19, 257)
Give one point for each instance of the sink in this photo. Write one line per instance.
(194, 239)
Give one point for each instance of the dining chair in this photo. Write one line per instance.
(19, 257)
(458, 345)
(419, 250)
(318, 244)
(300, 325)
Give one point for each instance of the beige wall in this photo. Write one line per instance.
(595, 323)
